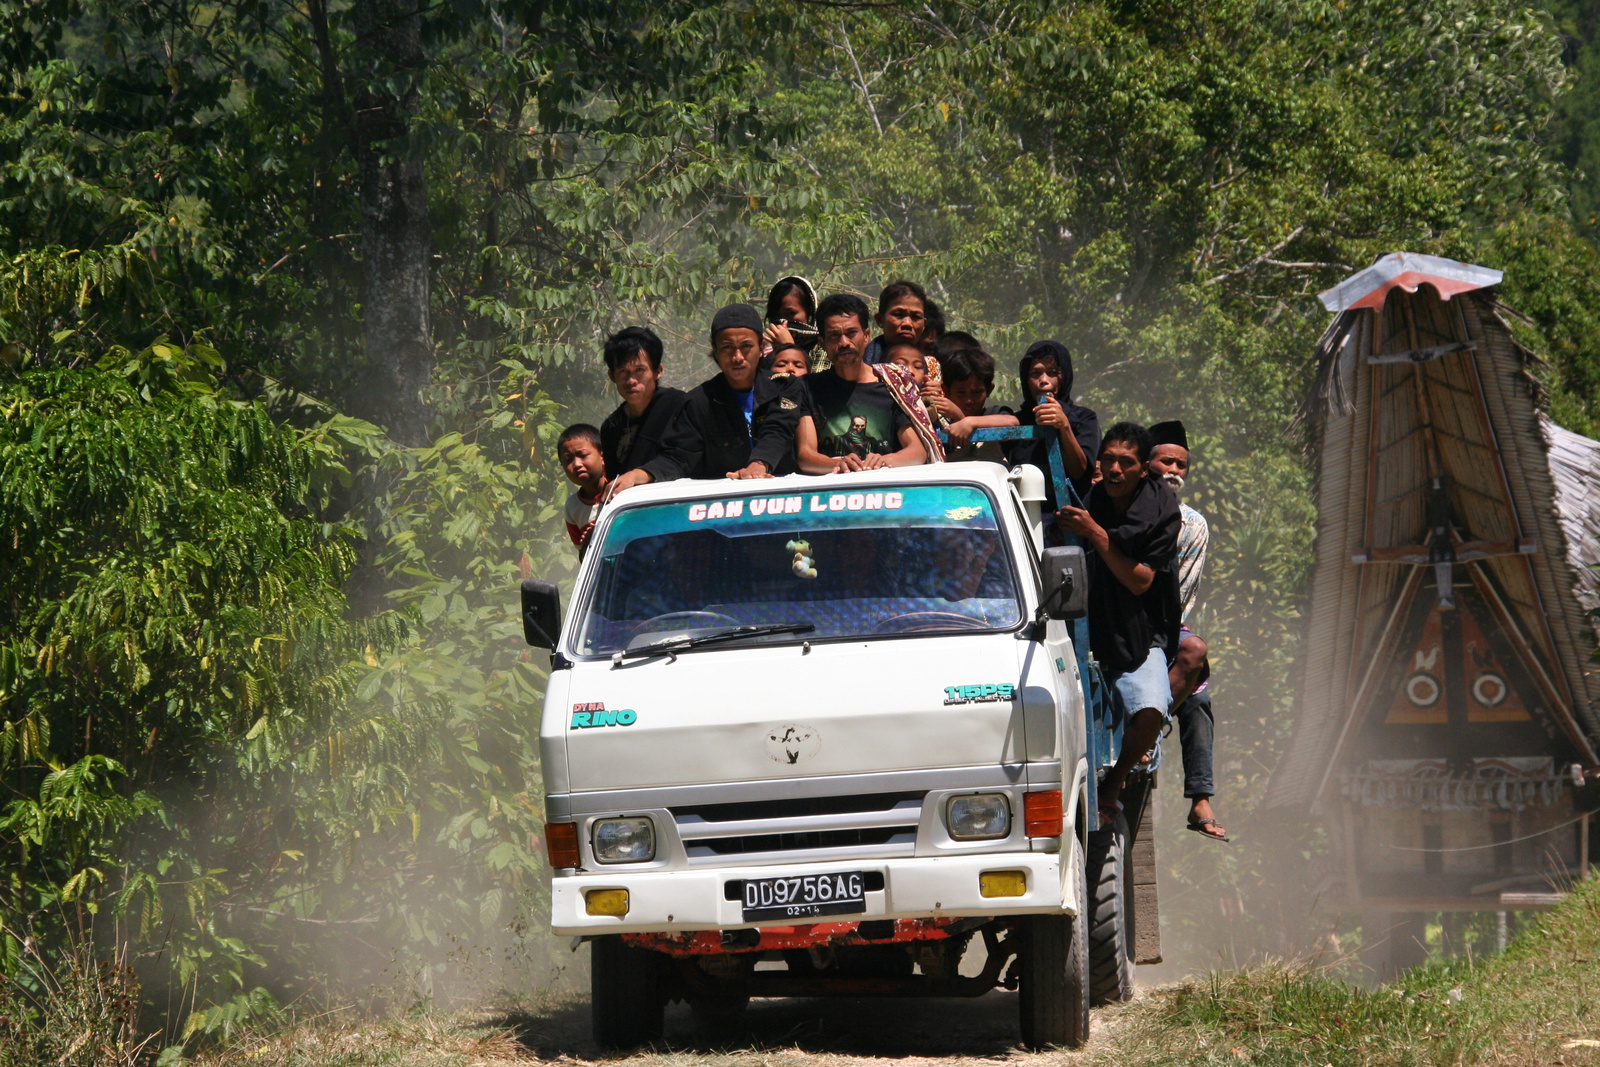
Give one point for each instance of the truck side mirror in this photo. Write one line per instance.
(1066, 582)
(541, 613)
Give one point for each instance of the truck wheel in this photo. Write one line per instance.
(626, 1003)
(1054, 957)
(1110, 931)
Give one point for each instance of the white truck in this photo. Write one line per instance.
(817, 736)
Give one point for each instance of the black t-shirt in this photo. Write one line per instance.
(1125, 626)
(854, 418)
(801, 396)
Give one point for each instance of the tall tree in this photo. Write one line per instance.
(396, 238)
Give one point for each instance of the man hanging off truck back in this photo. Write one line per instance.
(856, 405)
(1169, 460)
(633, 434)
(1131, 527)
(739, 424)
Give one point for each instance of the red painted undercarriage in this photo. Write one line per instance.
(809, 935)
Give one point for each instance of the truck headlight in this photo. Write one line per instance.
(973, 818)
(624, 840)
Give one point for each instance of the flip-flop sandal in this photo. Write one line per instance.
(1199, 827)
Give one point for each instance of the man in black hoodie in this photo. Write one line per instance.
(740, 424)
(633, 434)
(1131, 527)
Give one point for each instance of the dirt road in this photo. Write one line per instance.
(817, 1033)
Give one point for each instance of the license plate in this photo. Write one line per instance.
(804, 896)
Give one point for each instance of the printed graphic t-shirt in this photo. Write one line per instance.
(854, 418)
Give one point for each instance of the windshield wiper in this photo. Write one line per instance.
(673, 645)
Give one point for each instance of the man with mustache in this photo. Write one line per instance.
(1130, 526)
(1190, 673)
(852, 410)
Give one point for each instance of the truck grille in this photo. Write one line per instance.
(869, 824)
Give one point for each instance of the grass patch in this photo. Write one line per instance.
(76, 1011)
(1530, 1005)
(418, 1040)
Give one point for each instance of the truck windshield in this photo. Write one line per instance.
(909, 560)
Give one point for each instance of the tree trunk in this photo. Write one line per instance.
(396, 239)
(334, 265)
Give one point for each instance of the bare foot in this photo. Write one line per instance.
(1203, 820)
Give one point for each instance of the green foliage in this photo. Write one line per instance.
(447, 724)
(1553, 282)
(1166, 185)
(175, 626)
(1576, 138)
(263, 700)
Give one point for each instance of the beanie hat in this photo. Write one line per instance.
(736, 317)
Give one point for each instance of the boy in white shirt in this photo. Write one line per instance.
(584, 464)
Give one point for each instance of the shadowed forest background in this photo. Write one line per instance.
(295, 296)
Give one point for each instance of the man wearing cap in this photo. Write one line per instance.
(739, 424)
(1189, 674)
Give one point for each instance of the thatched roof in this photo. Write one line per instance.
(1427, 405)
(1575, 469)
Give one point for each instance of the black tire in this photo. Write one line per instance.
(1110, 928)
(1053, 998)
(626, 1001)
(715, 1015)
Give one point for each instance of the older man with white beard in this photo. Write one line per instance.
(1169, 459)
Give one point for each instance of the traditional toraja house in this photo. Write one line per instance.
(1449, 706)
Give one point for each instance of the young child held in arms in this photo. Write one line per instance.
(968, 381)
(924, 371)
(578, 449)
(911, 357)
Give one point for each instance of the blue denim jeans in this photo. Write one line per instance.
(1146, 686)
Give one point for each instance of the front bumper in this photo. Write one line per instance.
(679, 901)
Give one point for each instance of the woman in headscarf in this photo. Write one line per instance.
(791, 316)
(1046, 373)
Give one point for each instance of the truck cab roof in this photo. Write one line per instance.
(990, 475)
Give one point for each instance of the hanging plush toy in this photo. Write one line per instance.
(803, 566)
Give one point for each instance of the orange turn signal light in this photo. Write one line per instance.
(561, 843)
(1041, 813)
